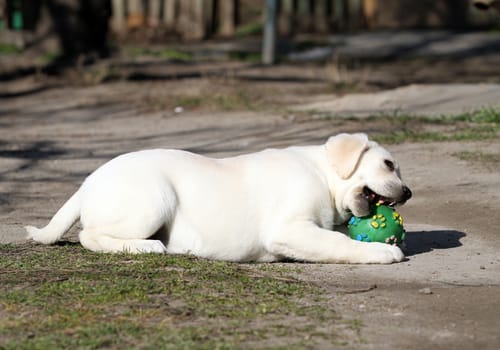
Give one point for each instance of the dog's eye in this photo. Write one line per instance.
(389, 164)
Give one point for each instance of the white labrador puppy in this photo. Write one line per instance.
(265, 206)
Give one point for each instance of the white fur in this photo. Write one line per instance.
(263, 206)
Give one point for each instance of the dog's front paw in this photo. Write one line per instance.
(145, 246)
(381, 253)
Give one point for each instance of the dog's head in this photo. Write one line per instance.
(368, 173)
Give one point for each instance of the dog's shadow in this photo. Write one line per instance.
(418, 242)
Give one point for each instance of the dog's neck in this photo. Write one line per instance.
(317, 156)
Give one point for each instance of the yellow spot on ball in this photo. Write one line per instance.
(374, 224)
(383, 225)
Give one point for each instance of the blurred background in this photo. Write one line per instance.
(55, 34)
(82, 81)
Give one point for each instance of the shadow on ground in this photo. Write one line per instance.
(419, 242)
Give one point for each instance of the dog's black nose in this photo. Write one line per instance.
(406, 193)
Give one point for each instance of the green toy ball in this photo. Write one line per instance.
(383, 224)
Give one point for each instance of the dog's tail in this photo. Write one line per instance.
(59, 224)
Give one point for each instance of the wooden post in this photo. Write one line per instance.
(135, 6)
(227, 12)
(136, 16)
(191, 22)
(208, 17)
(169, 13)
(285, 21)
(370, 9)
(119, 17)
(304, 15)
(355, 8)
(269, 42)
(154, 13)
(341, 13)
(198, 20)
(320, 19)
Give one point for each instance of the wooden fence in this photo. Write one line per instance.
(198, 19)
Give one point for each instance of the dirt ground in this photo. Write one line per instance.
(445, 295)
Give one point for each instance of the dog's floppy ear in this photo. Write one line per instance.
(344, 152)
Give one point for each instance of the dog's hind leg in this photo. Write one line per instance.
(101, 242)
(129, 233)
(115, 220)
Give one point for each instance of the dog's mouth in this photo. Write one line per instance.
(374, 198)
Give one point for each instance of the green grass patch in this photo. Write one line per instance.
(474, 133)
(66, 297)
(175, 55)
(253, 57)
(9, 49)
(478, 156)
(481, 125)
(167, 54)
(245, 56)
(224, 102)
(48, 57)
(249, 29)
(484, 115)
